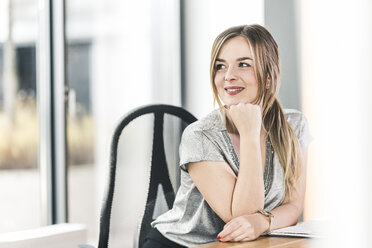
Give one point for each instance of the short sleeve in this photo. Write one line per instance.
(196, 146)
(300, 126)
(304, 136)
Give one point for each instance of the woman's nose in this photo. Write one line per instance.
(230, 74)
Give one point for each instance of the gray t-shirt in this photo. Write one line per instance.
(191, 221)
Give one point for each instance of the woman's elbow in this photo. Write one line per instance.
(298, 213)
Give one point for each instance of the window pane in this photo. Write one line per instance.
(80, 135)
(121, 55)
(19, 174)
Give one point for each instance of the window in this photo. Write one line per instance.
(120, 55)
(19, 173)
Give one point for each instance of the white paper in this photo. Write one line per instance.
(309, 229)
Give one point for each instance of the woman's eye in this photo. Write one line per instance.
(244, 64)
(220, 66)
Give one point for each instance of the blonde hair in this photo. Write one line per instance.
(265, 54)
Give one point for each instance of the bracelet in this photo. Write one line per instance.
(270, 216)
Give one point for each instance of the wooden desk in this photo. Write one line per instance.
(264, 242)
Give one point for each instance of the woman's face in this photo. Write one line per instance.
(235, 78)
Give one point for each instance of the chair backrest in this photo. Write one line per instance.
(159, 174)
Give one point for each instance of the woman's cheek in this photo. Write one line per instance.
(218, 80)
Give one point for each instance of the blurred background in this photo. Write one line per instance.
(120, 54)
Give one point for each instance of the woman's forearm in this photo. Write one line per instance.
(285, 215)
(290, 211)
(248, 195)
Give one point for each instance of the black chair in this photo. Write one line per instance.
(159, 174)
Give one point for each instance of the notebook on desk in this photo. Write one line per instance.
(307, 229)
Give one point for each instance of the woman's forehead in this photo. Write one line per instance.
(237, 47)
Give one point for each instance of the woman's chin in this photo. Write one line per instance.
(228, 105)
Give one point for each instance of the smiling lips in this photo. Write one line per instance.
(233, 90)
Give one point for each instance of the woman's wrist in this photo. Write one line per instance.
(265, 223)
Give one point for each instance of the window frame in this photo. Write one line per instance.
(52, 99)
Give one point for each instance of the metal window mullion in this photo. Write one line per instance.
(182, 16)
(59, 111)
(44, 112)
(52, 117)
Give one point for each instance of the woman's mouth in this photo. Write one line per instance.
(233, 90)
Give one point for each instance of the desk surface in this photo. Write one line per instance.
(264, 242)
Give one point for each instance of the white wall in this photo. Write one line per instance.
(281, 19)
(336, 65)
(204, 20)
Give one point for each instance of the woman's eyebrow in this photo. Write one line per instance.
(239, 59)
(244, 58)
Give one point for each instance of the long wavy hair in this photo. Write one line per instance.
(266, 64)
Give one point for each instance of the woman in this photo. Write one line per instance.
(243, 166)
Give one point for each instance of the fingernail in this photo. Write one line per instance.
(218, 237)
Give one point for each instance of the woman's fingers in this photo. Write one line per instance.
(235, 230)
(233, 235)
(231, 222)
(227, 230)
(243, 237)
(242, 228)
(246, 117)
(240, 234)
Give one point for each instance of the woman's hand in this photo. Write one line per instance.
(244, 228)
(246, 118)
